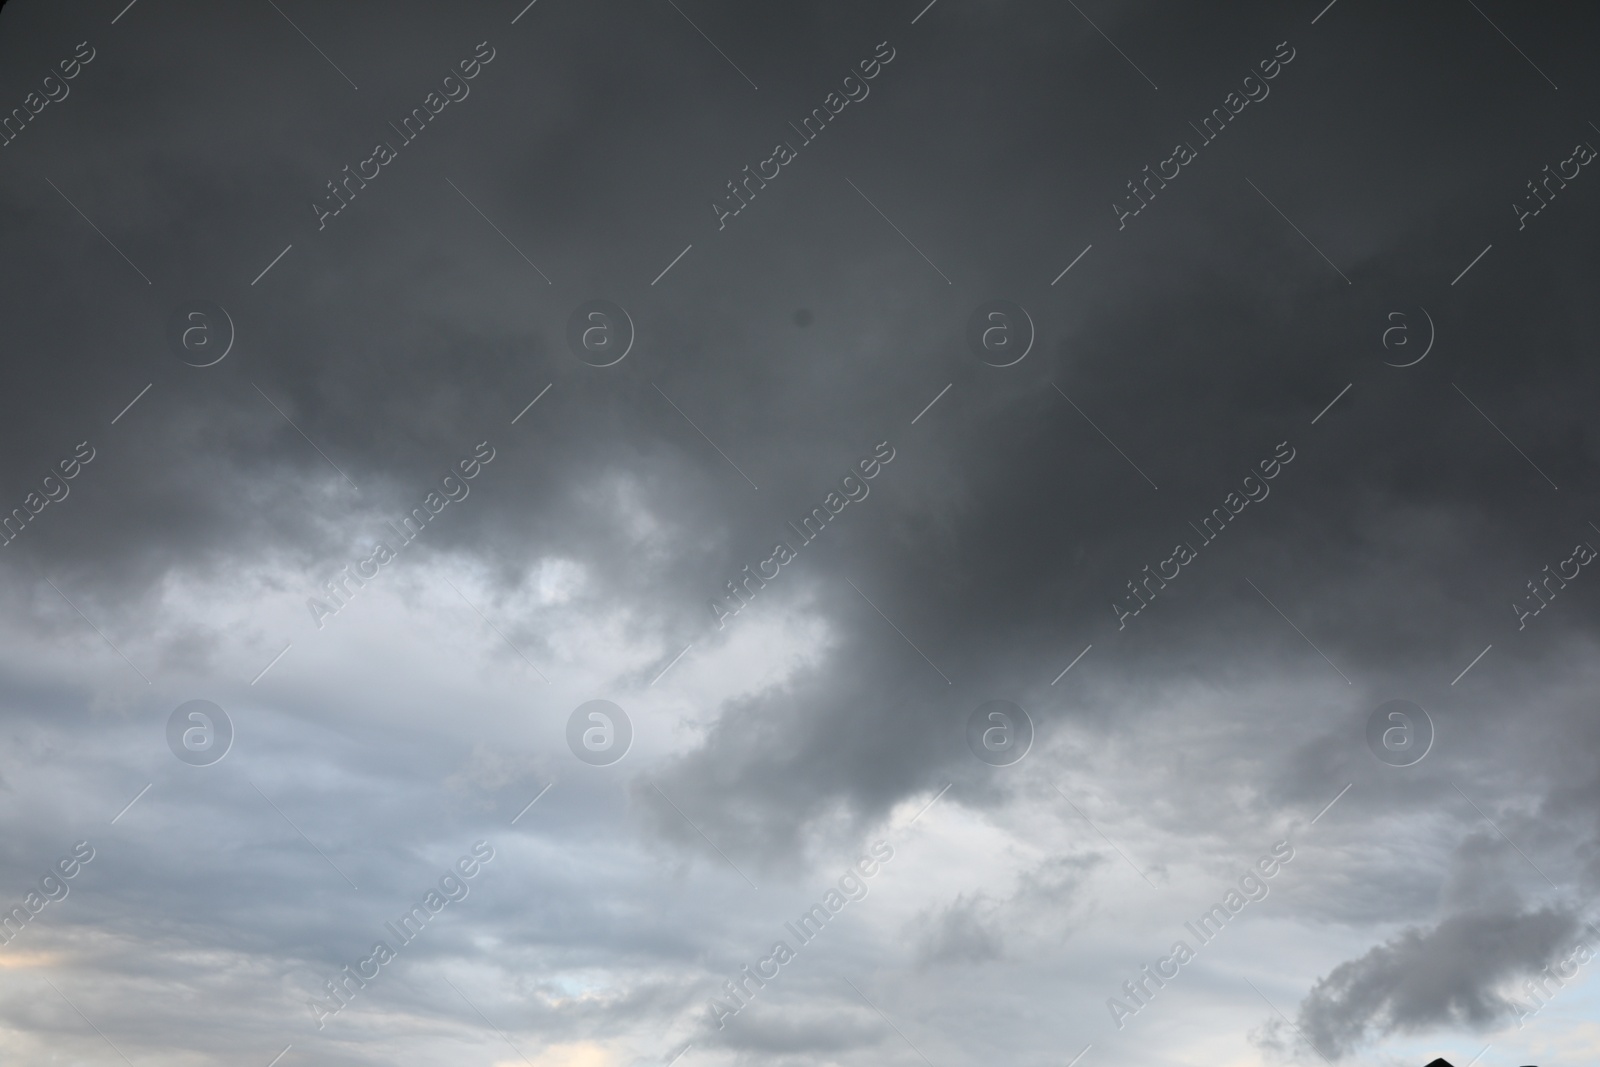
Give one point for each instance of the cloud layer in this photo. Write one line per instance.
(1088, 532)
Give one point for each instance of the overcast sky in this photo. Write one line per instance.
(1198, 382)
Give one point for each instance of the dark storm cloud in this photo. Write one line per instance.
(422, 393)
(1200, 339)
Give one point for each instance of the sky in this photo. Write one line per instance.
(674, 532)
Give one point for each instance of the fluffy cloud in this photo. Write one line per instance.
(1447, 976)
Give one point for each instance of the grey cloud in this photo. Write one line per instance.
(962, 933)
(1445, 976)
(799, 1036)
(1196, 339)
